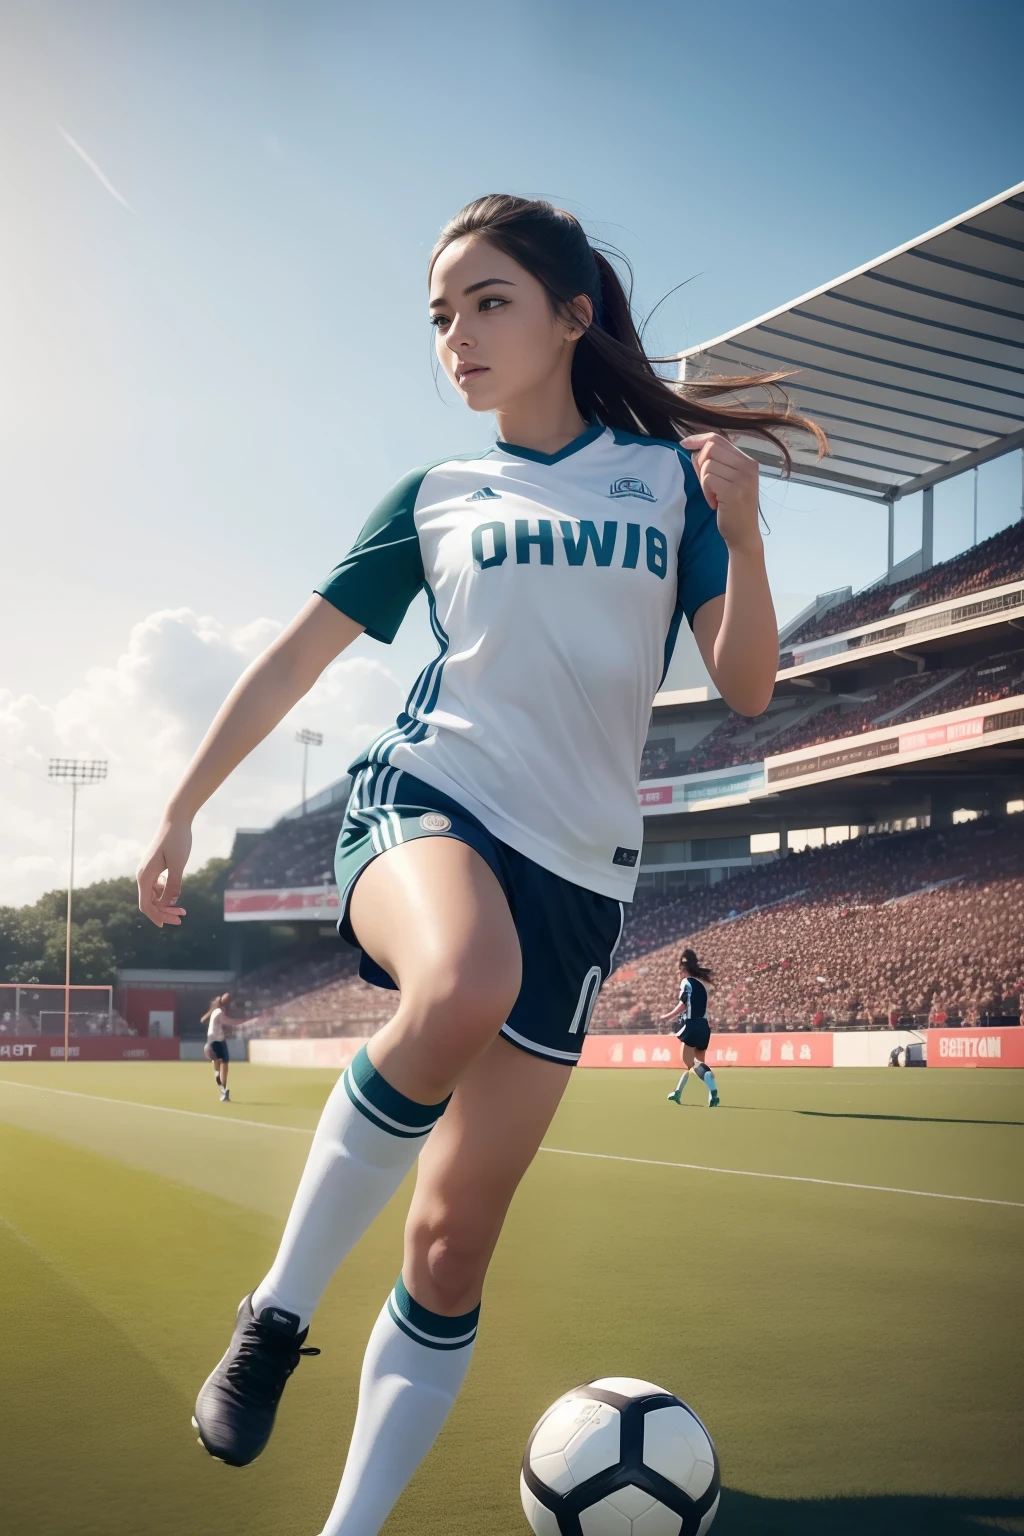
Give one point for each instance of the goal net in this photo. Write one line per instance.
(35, 1008)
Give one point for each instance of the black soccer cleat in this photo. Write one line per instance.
(236, 1407)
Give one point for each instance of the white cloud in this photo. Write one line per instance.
(146, 714)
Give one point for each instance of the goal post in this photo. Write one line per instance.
(32, 1008)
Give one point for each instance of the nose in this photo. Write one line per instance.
(457, 339)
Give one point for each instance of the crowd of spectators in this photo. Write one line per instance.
(321, 995)
(990, 564)
(737, 740)
(898, 928)
(296, 852)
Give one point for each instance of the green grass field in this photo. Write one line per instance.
(856, 1353)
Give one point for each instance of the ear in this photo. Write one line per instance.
(580, 316)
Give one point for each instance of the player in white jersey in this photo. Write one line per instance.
(216, 1047)
(493, 832)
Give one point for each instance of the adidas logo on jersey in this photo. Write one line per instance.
(630, 487)
(484, 494)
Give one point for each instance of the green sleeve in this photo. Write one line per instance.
(383, 571)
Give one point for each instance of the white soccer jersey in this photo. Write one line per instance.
(215, 1029)
(556, 583)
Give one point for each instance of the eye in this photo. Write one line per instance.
(439, 320)
(492, 299)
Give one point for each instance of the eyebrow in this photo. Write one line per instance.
(485, 282)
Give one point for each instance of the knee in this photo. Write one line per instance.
(447, 1267)
(461, 1002)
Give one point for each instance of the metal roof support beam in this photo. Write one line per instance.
(928, 528)
(984, 455)
(892, 536)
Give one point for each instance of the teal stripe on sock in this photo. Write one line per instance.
(418, 1338)
(374, 1119)
(428, 1327)
(409, 1117)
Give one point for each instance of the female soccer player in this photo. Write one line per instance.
(216, 1049)
(695, 1035)
(493, 833)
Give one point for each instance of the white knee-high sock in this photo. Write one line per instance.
(413, 1370)
(682, 1081)
(367, 1140)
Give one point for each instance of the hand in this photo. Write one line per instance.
(161, 872)
(728, 478)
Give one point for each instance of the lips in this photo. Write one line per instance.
(462, 374)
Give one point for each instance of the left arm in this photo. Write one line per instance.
(737, 634)
(677, 1013)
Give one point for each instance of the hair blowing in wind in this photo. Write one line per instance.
(613, 379)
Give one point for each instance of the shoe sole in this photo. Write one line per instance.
(225, 1460)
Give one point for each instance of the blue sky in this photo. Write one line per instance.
(205, 391)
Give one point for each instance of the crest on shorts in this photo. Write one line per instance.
(433, 821)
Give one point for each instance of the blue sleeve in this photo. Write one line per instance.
(383, 571)
(703, 556)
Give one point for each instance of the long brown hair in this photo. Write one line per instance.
(688, 961)
(613, 379)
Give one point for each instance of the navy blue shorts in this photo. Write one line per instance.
(219, 1049)
(697, 1033)
(568, 935)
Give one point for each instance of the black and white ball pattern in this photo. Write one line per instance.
(620, 1457)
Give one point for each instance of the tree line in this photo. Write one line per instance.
(108, 933)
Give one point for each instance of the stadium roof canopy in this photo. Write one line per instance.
(913, 364)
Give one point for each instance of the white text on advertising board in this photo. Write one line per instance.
(989, 1046)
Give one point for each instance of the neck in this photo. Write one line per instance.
(546, 421)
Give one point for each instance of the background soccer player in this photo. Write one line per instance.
(695, 1035)
(494, 832)
(216, 1049)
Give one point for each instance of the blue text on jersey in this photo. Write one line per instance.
(491, 544)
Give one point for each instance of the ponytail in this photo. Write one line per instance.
(688, 958)
(613, 379)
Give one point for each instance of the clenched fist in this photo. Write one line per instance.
(728, 478)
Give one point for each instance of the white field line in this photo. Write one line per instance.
(786, 1178)
(160, 1109)
(606, 1157)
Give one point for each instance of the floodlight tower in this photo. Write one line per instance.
(307, 739)
(74, 771)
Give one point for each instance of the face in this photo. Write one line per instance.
(497, 336)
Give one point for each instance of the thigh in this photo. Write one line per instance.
(689, 1056)
(470, 1169)
(432, 914)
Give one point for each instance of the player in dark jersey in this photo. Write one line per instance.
(695, 1034)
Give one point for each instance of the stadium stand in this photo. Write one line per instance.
(296, 852)
(896, 929)
(900, 928)
(738, 740)
(314, 1000)
(995, 561)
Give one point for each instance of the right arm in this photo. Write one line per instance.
(259, 701)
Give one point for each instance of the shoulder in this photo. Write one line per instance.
(404, 494)
(667, 449)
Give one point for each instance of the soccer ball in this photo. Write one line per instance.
(620, 1457)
